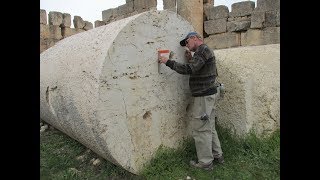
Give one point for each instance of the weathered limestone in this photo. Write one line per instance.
(98, 23)
(50, 31)
(66, 21)
(261, 19)
(219, 12)
(170, 5)
(236, 26)
(257, 19)
(78, 22)
(55, 18)
(125, 8)
(252, 81)
(224, 40)
(47, 43)
(102, 88)
(272, 19)
(44, 31)
(43, 17)
(215, 26)
(108, 14)
(66, 32)
(269, 35)
(144, 5)
(243, 8)
(55, 32)
(88, 25)
(192, 11)
(268, 5)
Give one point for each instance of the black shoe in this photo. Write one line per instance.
(219, 160)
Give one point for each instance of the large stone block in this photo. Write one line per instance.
(219, 12)
(224, 40)
(269, 35)
(55, 32)
(215, 26)
(43, 17)
(102, 88)
(50, 31)
(47, 43)
(88, 25)
(78, 22)
(66, 22)
(55, 18)
(140, 5)
(272, 19)
(125, 8)
(66, 32)
(108, 14)
(44, 31)
(243, 8)
(251, 76)
(257, 19)
(236, 26)
(268, 5)
(98, 23)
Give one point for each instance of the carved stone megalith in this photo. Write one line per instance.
(102, 88)
(252, 83)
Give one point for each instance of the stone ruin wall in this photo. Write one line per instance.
(246, 24)
(56, 26)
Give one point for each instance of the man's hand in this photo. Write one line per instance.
(163, 59)
(188, 55)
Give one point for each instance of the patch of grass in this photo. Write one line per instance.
(58, 160)
(246, 158)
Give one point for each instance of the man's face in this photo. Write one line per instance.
(190, 43)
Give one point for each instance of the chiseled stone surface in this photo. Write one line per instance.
(43, 17)
(55, 18)
(251, 76)
(102, 88)
(192, 11)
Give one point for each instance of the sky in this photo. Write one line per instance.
(91, 10)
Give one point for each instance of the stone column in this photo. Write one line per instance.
(192, 11)
(102, 88)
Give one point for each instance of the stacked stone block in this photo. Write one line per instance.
(59, 27)
(99, 23)
(130, 8)
(244, 25)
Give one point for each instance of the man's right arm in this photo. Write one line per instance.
(188, 68)
(179, 67)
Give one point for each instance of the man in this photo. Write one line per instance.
(205, 90)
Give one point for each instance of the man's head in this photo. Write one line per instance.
(192, 41)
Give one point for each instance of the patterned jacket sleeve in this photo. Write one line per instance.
(188, 68)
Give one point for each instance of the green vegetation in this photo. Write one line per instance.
(247, 158)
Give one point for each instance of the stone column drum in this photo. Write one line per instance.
(252, 82)
(102, 88)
